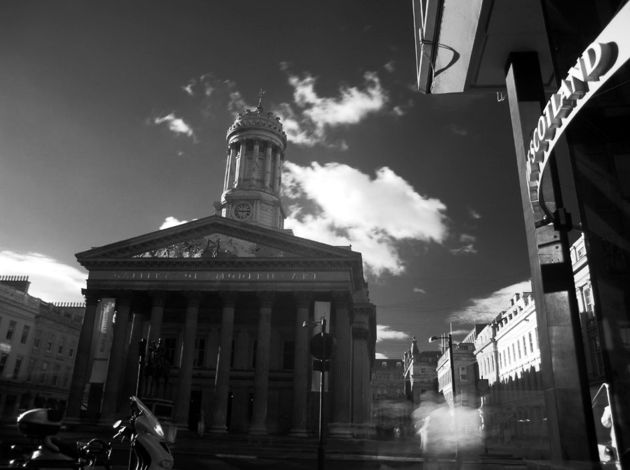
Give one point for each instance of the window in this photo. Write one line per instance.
(36, 342)
(524, 346)
(71, 350)
(531, 343)
(62, 344)
(17, 366)
(49, 344)
(288, 355)
(25, 332)
(11, 329)
(518, 346)
(55, 376)
(29, 372)
(463, 375)
(200, 352)
(3, 361)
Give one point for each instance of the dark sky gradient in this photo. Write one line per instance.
(82, 164)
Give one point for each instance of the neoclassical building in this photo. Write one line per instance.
(228, 295)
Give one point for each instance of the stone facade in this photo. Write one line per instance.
(227, 296)
(37, 348)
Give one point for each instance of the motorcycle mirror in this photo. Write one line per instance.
(117, 424)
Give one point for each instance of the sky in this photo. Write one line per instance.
(112, 124)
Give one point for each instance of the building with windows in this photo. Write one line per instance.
(18, 311)
(420, 372)
(227, 296)
(37, 348)
(465, 368)
(512, 402)
(391, 411)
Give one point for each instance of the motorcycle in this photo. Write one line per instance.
(41, 425)
(146, 436)
(142, 429)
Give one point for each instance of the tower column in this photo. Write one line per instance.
(115, 369)
(268, 158)
(301, 367)
(229, 166)
(277, 170)
(80, 374)
(261, 377)
(222, 370)
(240, 164)
(185, 371)
(341, 368)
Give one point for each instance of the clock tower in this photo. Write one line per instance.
(255, 152)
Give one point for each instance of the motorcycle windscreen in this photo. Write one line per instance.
(151, 422)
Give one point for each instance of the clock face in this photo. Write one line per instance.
(242, 210)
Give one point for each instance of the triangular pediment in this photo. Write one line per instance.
(215, 237)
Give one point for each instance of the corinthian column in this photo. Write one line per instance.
(80, 374)
(115, 369)
(361, 362)
(341, 368)
(261, 377)
(301, 367)
(157, 313)
(222, 370)
(185, 371)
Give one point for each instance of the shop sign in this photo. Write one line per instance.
(595, 66)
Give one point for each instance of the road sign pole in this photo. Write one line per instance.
(322, 388)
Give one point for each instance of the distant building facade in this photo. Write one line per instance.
(390, 408)
(512, 401)
(37, 348)
(466, 373)
(420, 372)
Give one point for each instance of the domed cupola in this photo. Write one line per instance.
(255, 152)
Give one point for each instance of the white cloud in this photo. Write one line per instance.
(419, 290)
(380, 356)
(171, 222)
(484, 309)
(50, 279)
(372, 215)
(315, 115)
(384, 332)
(175, 124)
(467, 245)
(474, 214)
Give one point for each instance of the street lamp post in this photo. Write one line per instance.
(449, 338)
(321, 348)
